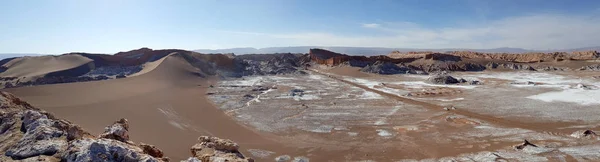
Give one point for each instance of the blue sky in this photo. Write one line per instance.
(109, 26)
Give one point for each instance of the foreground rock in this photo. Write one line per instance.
(31, 134)
(216, 149)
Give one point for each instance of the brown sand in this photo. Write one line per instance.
(172, 87)
(41, 65)
(348, 71)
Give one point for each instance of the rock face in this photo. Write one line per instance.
(442, 79)
(386, 68)
(530, 57)
(216, 149)
(31, 134)
(271, 64)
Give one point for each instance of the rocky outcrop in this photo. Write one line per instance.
(117, 131)
(31, 134)
(524, 145)
(585, 134)
(55, 80)
(216, 149)
(442, 79)
(590, 68)
(529, 57)
(386, 68)
(28, 133)
(512, 66)
(271, 64)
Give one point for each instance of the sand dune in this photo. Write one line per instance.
(166, 107)
(41, 65)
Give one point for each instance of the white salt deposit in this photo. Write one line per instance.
(454, 99)
(383, 133)
(570, 89)
(352, 134)
(421, 84)
(247, 81)
(579, 96)
(368, 95)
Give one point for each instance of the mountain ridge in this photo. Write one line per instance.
(369, 51)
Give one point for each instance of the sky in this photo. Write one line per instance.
(110, 26)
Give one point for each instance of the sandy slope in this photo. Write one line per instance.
(149, 66)
(41, 65)
(166, 107)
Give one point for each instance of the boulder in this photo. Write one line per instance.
(584, 134)
(442, 79)
(283, 158)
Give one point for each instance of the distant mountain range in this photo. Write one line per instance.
(375, 50)
(367, 51)
(11, 55)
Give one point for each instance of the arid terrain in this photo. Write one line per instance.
(318, 106)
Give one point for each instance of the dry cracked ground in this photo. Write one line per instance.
(366, 117)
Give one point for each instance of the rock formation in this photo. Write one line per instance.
(590, 68)
(442, 79)
(216, 149)
(387, 68)
(31, 134)
(586, 134)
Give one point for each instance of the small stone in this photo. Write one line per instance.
(283, 158)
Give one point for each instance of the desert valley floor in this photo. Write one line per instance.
(338, 113)
(342, 114)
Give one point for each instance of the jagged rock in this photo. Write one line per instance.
(104, 150)
(462, 80)
(590, 68)
(283, 158)
(75, 132)
(40, 138)
(216, 149)
(192, 159)
(442, 79)
(151, 150)
(551, 68)
(118, 131)
(29, 134)
(584, 134)
(386, 68)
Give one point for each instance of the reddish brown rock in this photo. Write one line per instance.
(152, 150)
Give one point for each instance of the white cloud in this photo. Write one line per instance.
(531, 32)
(371, 25)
